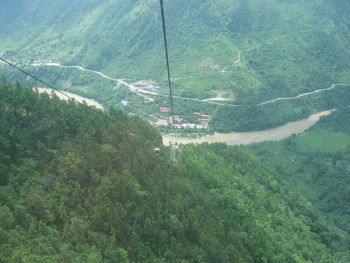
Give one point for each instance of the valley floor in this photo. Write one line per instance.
(237, 138)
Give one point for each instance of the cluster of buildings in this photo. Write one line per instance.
(144, 86)
(191, 126)
(203, 121)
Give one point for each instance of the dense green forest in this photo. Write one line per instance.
(250, 50)
(82, 185)
(317, 165)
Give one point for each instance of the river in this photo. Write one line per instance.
(78, 98)
(274, 134)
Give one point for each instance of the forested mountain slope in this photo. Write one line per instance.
(79, 187)
(254, 49)
(317, 165)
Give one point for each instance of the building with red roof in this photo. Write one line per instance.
(164, 109)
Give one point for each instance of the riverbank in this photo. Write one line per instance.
(274, 134)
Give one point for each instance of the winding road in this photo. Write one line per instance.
(302, 94)
(132, 88)
(143, 93)
(119, 82)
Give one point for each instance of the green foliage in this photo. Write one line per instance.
(81, 188)
(317, 166)
(325, 141)
(6, 217)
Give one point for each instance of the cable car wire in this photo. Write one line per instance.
(173, 143)
(167, 60)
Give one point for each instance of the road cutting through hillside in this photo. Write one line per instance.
(142, 92)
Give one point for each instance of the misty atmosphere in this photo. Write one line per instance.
(174, 131)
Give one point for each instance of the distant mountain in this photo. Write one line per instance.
(286, 47)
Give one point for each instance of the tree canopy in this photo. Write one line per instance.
(79, 187)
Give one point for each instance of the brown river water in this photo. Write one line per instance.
(274, 134)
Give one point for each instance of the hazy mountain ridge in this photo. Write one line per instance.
(283, 44)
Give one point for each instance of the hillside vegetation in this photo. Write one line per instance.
(80, 185)
(286, 48)
(317, 165)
